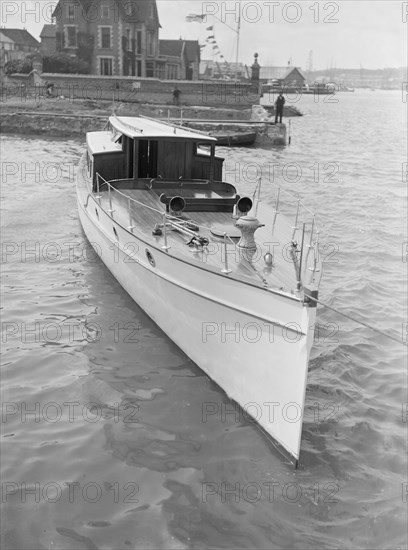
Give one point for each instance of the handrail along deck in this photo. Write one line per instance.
(177, 224)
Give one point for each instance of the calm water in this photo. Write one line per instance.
(104, 442)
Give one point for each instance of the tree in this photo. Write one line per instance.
(21, 66)
(63, 63)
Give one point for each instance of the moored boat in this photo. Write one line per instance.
(233, 139)
(231, 280)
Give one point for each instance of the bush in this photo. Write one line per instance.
(22, 66)
(63, 63)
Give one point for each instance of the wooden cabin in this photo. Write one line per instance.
(141, 148)
(143, 153)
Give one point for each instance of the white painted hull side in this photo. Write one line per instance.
(231, 330)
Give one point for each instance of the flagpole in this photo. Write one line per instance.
(238, 33)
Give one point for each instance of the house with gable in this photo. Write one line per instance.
(290, 77)
(48, 39)
(16, 44)
(120, 38)
(182, 58)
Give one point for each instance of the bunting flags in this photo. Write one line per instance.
(191, 17)
(211, 41)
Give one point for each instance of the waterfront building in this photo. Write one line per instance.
(283, 76)
(121, 38)
(48, 40)
(15, 44)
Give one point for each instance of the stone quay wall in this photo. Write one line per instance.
(222, 94)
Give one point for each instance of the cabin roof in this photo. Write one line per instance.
(102, 142)
(142, 127)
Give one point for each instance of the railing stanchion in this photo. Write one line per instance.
(226, 270)
(165, 246)
(314, 269)
(276, 210)
(317, 247)
(310, 245)
(111, 210)
(259, 196)
(299, 282)
(131, 226)
(295, 227)
(98, 194)
(311, 231)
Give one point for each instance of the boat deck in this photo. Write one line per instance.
(129, 213)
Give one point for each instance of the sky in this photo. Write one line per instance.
(339, 34)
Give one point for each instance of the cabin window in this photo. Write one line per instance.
(147, 159)
(203, 149)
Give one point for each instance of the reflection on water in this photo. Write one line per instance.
(103, 419)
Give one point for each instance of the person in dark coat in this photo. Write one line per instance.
(49, 90)
(176, 96)
(279, 103)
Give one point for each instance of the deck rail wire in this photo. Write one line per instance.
(305, 257)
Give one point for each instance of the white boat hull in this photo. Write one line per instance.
(254, 343)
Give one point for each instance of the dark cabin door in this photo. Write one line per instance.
(147, 159)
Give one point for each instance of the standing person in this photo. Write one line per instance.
(279, 103)
(176, 95)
